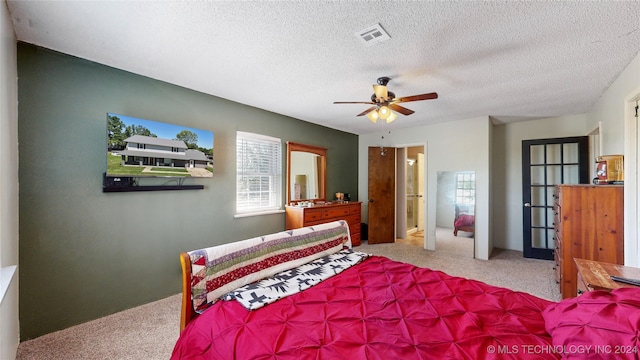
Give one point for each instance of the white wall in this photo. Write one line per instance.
(609, 109)
(506, 219)
(9, 330)
(454, 146)
(619, 134)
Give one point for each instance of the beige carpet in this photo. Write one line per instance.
(151, 330)
(145, 332)
(446, 243)
(454, 255)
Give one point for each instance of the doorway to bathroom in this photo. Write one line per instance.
(410, 195)
(415, 190)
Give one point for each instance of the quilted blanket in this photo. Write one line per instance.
(258, 294)
(379, 309)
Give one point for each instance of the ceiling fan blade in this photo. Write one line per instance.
(428, 96)
(401, 109)
(367, 111)
(354, 102)
(381, 92)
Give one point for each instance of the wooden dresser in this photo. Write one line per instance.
(297, 217)
(588, 224)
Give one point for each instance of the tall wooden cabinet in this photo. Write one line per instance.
(588, 224)
(297, 217)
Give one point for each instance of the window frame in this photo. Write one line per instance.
(246, 197)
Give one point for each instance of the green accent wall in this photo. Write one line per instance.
(85, 254)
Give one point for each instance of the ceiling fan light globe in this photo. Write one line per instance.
(384, 112)
(373, 116)
(391, 117)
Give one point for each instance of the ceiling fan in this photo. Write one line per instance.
(384, 101)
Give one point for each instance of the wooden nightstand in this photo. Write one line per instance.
(595, 275)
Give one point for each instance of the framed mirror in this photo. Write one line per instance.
(306, 172)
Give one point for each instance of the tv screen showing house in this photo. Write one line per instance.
(145, 148)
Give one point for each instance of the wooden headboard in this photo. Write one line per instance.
(187, 313)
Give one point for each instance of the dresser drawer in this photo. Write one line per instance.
(312, 215)
(337, 213)
(557, 267)
(352, 219)
(355, 239)
(354, 223)
(583, 287)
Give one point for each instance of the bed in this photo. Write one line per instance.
(378, 308)
(464, 220)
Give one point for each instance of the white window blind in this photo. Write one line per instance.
(259, 173)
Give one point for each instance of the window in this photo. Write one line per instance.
(259, 173)
(465, 188)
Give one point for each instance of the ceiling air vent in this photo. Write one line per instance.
(373, 35)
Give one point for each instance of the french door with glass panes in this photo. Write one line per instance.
(545, 164)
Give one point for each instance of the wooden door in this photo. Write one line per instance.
(382, 189)
(545, 164)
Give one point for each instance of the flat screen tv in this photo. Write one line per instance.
(145, 148)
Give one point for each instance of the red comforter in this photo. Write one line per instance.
(379, 309)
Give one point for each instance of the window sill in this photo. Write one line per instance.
(270, 212)
(6, 274)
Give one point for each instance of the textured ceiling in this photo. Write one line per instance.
(512, 60)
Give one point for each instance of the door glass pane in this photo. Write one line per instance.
(571, 174)
(550, 214)
(550, 199)
(553, 154)
(537, 216)
(538, 238)
(553, 175)
(537, 196)
(537, 154)
(537, 175)
(550, 243)
(570, 153)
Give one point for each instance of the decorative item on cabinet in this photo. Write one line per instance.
(588, 224)
(301, 216)
(609, 170)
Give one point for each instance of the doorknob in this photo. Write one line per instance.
(370, 200)
(527, 204)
